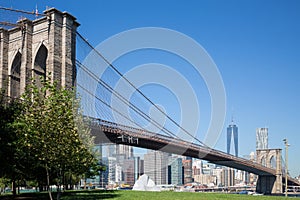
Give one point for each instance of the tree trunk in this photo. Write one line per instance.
(58, 192)
(14, 188)
(48, 183)
(59, 184)
(40, 187)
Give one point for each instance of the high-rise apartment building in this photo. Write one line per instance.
(138, 168)
(175, 171)
(125, 150)
(217, 172)
(110, 162)
(197, 167)
(187, 170)
(261, 138)
(118, 173)
(156, 166)
(129, 171)
(232, 130)
(119, 150)
(228, 177)
(110, 150)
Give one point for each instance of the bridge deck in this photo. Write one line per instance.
(108, 132)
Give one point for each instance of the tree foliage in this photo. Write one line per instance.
(9, 110)
(52, 136)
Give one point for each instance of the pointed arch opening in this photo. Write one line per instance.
(40, 62)
(15, 76)
(273, 162)
(263, 161)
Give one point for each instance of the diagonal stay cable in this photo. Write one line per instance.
(87, 91)
(121, 114)
(139, 91)
(124, 100)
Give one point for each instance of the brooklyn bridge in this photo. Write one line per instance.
(50, 45)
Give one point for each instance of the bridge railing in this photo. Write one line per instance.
(132, 131)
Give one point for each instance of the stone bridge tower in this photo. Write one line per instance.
(270, 184)
(38, 48)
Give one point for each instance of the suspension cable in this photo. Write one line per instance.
(139, 91)
(124, 100)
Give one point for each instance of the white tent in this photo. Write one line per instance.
(144, 183)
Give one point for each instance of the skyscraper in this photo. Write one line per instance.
(262, 138)
(125, 150)
(156, 166)
(187, 164)
(128, 171)
(175, 171)
(138, 167)
(114, 150)
(232, 130)
(111, 164)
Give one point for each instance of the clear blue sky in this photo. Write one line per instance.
(254, 43)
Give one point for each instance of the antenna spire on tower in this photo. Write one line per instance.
(232, 120)
(36, 10)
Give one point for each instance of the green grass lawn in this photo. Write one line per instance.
(129, 195)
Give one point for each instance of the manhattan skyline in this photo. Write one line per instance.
(255, 45)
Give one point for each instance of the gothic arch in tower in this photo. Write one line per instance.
(263, 161)
(15, 75)
(40, 64)
(268, 157)
(273, 161)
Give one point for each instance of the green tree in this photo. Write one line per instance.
(9, 110)
(52, 134)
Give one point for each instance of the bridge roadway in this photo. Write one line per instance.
(109, 132)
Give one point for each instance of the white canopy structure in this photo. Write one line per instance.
(144, 183)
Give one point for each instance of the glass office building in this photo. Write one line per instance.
(232, 131)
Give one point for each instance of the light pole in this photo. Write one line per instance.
(286, 165)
